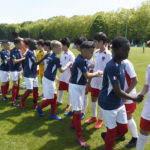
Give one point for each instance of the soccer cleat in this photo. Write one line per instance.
(55, 117)
(34, 105)
(68, 107)
(70, 113)
(131, 143)
(5, 99)
(58, 104)
(103, 134)
(40, 112)
(98, 124)
(15, 104)
(120, 138)
(22, 105)
(91, 120)
(82, 142)
(82, 115)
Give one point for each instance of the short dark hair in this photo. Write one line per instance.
(40, 42)
(26, 40)
(48, 43)
(100, 36)
(87, 45)
(5, 42)
(15, 34)
(80, 40)
(17, 41)
(119, 42)
(32, 44)
(65, 41)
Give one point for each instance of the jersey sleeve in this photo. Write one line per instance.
(83, 67)
(58, 63)
(130, 69)
(113, 74)
(72, 57)
(12, 55)
(148, 75)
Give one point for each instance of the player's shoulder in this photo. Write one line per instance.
(112, 65)
(107, 52)
(148, 67)
(70, 52)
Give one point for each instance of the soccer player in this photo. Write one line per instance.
(15, 69)
(4, 69)
(78, 84)
(102, 57)
(145, 116)
(110, 97)
(48, 81)
(65, 76)
(30, 73)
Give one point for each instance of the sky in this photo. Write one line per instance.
(17, 11)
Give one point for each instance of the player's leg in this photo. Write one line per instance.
(85, 104)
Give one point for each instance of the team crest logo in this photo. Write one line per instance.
(114, 78)
(103, 58)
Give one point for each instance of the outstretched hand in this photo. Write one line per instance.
(139, 98)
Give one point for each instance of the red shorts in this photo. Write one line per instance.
(130, 108)
(87, 92)
(95, 92)
(63, 86)
(145, 124)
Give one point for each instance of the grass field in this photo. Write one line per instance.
(25, 130)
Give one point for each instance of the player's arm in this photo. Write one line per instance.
(89, 75)
(62, 69)
(40, 61)
(15, 61)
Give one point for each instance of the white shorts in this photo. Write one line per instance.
(4, 76)
(77, 93)
(31, 82)
(49, 88)
(16, 75)
(112, 117)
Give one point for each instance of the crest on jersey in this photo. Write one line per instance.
(115, 78)
(103, 58)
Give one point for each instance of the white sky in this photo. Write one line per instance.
(16, 11)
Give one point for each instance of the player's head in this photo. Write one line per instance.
(26, 42)
(6, 45)
(15, 34)
(100, 39)
(40, 44)
(79, 41)
(56, 46)
(87, 49)
(18, 43)
(120, 48)
(32, 45)
(65, 43)
(47, 45)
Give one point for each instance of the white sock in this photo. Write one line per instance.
(133, 128)
(85, 103)
(141, 142)
(61, 93)
(100, 115)
(69, 99)
(94, 109)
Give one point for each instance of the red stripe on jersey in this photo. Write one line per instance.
(128, 79)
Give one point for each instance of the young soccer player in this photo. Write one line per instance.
(110, 97)
(39, 56)
(65, 76)
(48, 81)
(4, 69)
(145, 116)
(30, 73)
(15, 69)
(102, 57)
(78, 84)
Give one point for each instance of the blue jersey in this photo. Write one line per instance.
(53, 63)
(4, 64)
(30, 69)
(113, 74)
(78, 69)
(15, 54)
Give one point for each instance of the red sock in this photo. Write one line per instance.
(26, 94)
(73, 120)
(45, 103)
(53, 105)
(3, 89)
(121, 129)
(110, 138)
(7, 87)
(17, 94)
(35, 95)
(14, 92)
(77, 121)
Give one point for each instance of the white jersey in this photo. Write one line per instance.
(89, 62)
(146, 108)
(129, 74)
(65, 58)
(101, 59)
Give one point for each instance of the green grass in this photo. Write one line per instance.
(25, 130)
